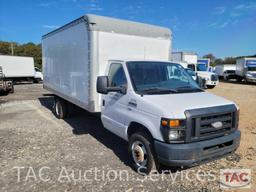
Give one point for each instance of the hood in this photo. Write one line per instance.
(174, 105)
(205, 73)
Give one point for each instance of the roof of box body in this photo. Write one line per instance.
(113, 25)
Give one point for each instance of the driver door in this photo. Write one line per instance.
(113, 103)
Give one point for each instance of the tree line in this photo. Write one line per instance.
(35, 50)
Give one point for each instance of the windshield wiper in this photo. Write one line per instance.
(158, 91)
(188, 88)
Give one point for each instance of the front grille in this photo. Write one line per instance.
(214, 77)
(200, 122)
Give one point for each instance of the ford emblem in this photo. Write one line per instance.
(217, 125)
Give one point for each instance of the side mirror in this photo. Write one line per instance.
(102, 84)
(201, 82)
(103, 87)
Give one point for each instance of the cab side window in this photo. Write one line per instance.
(116, 75)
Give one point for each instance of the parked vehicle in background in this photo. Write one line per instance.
(17, 68)
(246, 69)
(121, 69)
(229, 74)
(38, 75)
(221, 68)
(200, 66)
(6, 86)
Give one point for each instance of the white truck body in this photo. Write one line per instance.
(127, 62)
(220, 69)
(17, 66)
(246, 68)
(188, 57)
(74, 57)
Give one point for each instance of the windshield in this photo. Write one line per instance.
(251, 65)
(160, 77)
(201, 67)
(230, 71)
(251, 68)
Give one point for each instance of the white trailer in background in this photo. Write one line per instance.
(220, 69)
(18, 68)
(182, 56)
(246, 69)
(191, 58)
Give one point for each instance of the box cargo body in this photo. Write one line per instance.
(189, 57)
(17, 67)
(242, 65)
(246, 69)
(220, 69)
(75, 54)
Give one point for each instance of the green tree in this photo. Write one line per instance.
(210, 56)
(230, 60)
(218, 61)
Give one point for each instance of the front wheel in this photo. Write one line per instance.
(210, 86)
(142, 153)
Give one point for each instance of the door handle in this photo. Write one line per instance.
(132, 104)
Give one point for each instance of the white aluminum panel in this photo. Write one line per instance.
(66, 64)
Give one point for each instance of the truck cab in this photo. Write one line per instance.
(148, 103)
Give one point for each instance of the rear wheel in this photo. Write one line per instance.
(12, 89)
(239, 79)
(141, 152)
(210, 86)
(60, 108)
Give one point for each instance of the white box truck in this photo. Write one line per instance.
(121, 69)
(191, 58)
(221, 68)
(246, 69)
(18, 68)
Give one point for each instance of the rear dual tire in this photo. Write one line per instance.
(60, 108)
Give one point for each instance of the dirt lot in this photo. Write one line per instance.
(41, 153)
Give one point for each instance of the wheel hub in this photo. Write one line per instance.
(139, 154)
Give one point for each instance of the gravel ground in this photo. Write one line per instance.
(41, 153)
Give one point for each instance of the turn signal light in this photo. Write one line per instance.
(174, 123)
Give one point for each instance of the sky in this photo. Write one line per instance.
(222, 27)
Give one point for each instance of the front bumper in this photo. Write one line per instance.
(191, 154)
(209, 82)
(253, 80)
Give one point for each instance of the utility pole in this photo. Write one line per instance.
(12, 48)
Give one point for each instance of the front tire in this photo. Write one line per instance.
(60, 108)
(210, 86)
(141, 153)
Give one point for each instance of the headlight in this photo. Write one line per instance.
(173, 130)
